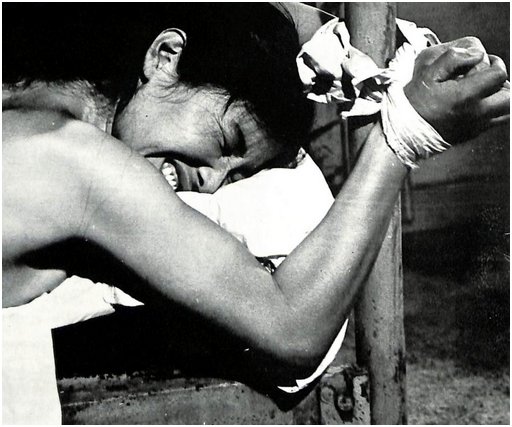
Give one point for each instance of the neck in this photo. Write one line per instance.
(79, 99)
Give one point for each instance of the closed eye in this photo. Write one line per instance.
(236, 144)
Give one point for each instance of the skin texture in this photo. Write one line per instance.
(223, 143)
(80, 182)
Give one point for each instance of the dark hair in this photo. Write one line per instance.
(247, 49)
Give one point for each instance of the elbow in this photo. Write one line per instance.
(300, 361)
(293, 343)
(296, 352)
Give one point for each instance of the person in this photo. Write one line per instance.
(65, 179)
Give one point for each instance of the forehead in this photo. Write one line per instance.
(217, 124)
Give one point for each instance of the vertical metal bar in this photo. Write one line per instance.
(380, 339)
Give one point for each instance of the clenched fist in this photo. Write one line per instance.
(459, 89)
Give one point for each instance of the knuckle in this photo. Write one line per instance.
(497, 61)
(499, 74)
(502, 73)
(423, 59)
(471, 41)
(452, 53)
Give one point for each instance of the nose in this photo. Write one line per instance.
(210, 179)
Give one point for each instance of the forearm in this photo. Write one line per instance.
(332, 264)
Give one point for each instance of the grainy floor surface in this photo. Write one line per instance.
(457, 324)
(458, 370)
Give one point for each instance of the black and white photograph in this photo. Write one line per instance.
(255, 213)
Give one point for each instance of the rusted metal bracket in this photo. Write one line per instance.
(341, 397)
(344, 397)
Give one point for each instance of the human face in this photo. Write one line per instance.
(195, 137)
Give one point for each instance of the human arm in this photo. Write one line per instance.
(185, 257)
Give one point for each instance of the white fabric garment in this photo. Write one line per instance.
(29, 388)
(271, 213)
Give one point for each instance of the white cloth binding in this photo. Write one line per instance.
(409, 135)
(329, 54)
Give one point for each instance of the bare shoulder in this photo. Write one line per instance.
(44, 193)
(50, 142)
(59, 181)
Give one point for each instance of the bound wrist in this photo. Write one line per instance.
(409, 135)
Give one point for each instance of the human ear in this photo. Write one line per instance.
(164, 53)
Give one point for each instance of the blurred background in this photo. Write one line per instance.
(455, 215)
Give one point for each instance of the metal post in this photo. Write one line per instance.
(380, 339)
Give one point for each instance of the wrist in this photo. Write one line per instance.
(408, 133)
(417, 102)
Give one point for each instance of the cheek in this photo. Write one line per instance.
(146, 132)
(176, 130)
(130, 125)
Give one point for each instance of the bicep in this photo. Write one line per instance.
(137, 217)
